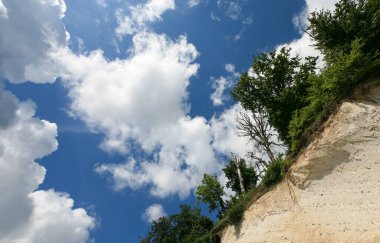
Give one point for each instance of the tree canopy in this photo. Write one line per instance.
(278, 84)
(188, 226)
(211, 193)
(335, 31)
(248, 174)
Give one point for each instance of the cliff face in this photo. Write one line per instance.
(332, 193)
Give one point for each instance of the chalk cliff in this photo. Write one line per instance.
(332, 192)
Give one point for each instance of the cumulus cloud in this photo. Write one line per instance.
(143, 100)
(304, 46)
(34, 31)
(28, 215)
(218, 138)
(140, 15)
(221, 84)
(153, 212)
(140, 100)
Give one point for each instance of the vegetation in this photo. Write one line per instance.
(287, 99)
(188, 226)
(245, 181)
(279, 86)
(262, 136)
(211, 193)
(275, 172)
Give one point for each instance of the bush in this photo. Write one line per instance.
(335, 83)
(235, 213)
(274, 173)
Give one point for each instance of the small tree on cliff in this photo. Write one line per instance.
(211, 193)
(277, 85)
(240, 176)
(187, 226)
(263, 136)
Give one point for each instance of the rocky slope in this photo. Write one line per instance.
(332, 193)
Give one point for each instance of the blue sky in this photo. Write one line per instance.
(112, 110)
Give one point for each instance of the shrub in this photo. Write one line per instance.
(336, 82)
(275, 172)
(235, 213)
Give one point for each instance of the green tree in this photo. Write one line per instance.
(188, 226)
(240, 176)
(351, 20)
(211, 192)
(277, 84)
(161, 230)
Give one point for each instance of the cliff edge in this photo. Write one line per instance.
(332, 191)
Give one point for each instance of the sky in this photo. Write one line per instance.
(111, 111)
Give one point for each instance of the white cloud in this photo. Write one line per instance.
(218, 136)
(33, 31)
(3, 10)
(140, 15)
(193, 3)
(141, 100)
(28, 215)
(221, 84)
(304, 45)
(153, 212)
(54, 220)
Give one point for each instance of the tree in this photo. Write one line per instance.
(240, 176)
(187, 226)
(352, 20)
(161, 230)
(276, 84)
(256, 127)
(211, 192)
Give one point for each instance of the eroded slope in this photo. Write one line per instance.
(332, 193)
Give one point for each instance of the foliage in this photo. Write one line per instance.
(335, 83)
(248, 174)
(187, 226)
(235, 213)
(352, 20)
(276, 83)
(275, 172)
(211, 192)
(350, 40)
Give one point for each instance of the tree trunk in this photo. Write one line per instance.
(222, 206)
(241, 181)
(270, 153)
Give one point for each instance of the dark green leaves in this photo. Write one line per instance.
(278, 84)
(187, 226)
